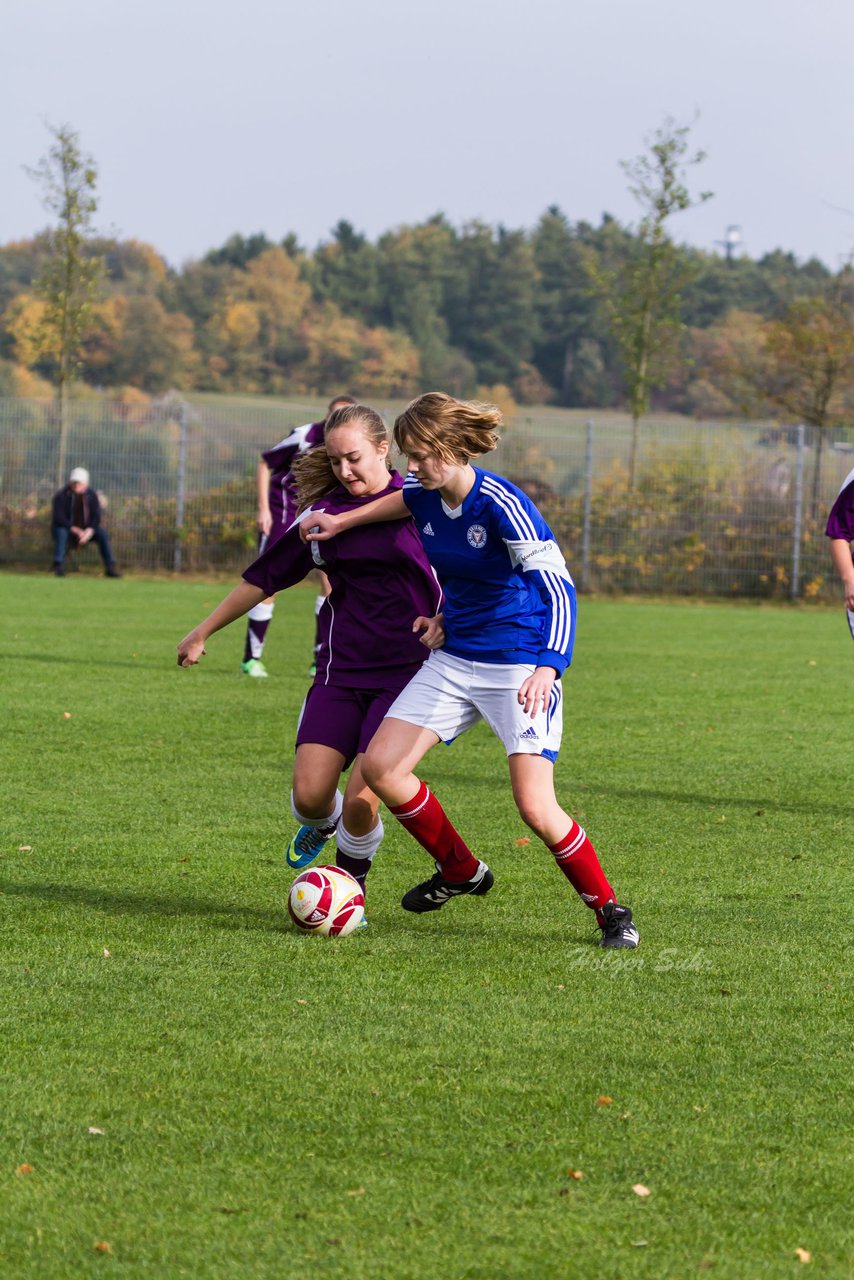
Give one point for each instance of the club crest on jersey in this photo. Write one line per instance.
(476, 536)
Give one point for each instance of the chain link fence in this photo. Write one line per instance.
(716, 509)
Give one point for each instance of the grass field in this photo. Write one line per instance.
(201, 1092)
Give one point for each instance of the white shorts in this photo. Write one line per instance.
(449, 695)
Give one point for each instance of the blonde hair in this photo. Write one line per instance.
(313, 471)
(452, 430)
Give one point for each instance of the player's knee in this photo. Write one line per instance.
(533, 813)
(312, 800)
(377, 770)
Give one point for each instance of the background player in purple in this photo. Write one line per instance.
(840, 530)
(377, 626)
(277, 510)
(509, 619)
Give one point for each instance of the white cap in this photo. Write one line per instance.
(79, 476)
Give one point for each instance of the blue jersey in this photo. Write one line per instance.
(508, 594)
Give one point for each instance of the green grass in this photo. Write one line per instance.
(407, 1103)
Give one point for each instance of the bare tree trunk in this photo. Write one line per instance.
(63, 436)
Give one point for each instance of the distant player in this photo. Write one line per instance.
(840, 530)
(377, 626)
(277, 509)
(509, 619)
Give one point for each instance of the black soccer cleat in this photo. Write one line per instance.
(435, 892)
(617, 929)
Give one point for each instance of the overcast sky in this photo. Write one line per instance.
(206, 117)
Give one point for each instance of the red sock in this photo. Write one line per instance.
(424, 818)
(577, 859)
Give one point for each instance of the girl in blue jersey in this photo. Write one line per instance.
(509, 620)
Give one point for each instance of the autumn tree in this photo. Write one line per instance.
(640, 287)
(806, 367)
(70, 272)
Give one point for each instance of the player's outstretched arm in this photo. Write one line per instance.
(318, 526)
(840, 551)
(239, 601)
(265, 519)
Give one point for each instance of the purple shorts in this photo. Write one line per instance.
(345, 719)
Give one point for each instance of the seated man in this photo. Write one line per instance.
(77, 520)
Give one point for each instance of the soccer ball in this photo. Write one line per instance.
(328, 901)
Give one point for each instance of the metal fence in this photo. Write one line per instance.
(716, 509)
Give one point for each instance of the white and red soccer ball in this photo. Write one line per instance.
(326, 900)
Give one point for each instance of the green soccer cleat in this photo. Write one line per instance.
(255, 668)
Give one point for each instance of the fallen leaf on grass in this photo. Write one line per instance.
(725, 991)
(639, 1244)
(523, 840)
(561, 987)
(101, 1246)
(66, 715)
(106, 953)
(25, 848)
(24, 1169)
(99, 1132)
(640, 1190)
(803, 1255)
(302, 1002)
(603, 1100)
(183, 859)
(224, 1208)
(575, 1173)
(359, 1191)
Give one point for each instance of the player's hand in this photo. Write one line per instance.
(190, 650)
(534, 692)
(86, 536)
(319, 527)
(265, 522)
(433, 631)
(848, 587)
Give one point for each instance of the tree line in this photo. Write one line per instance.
(538, 314)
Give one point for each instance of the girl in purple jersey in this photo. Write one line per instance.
(509, 618)
(377, 626)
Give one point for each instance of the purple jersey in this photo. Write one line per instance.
(840, 523)
(381, 582)
(280, 459)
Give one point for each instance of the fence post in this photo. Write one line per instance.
(588, 497)
(799, 516)
(181, 494)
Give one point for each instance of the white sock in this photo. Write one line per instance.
(261, 612)
(319, 823)
(361, 847)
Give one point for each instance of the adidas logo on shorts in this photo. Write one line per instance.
(530, 734)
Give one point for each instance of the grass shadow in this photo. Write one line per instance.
(717, 802)
(228, 915)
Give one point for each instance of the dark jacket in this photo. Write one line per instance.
(63, 509)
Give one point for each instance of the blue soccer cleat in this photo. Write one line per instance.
(306, 845)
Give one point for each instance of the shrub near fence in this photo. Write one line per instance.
(718, 509)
